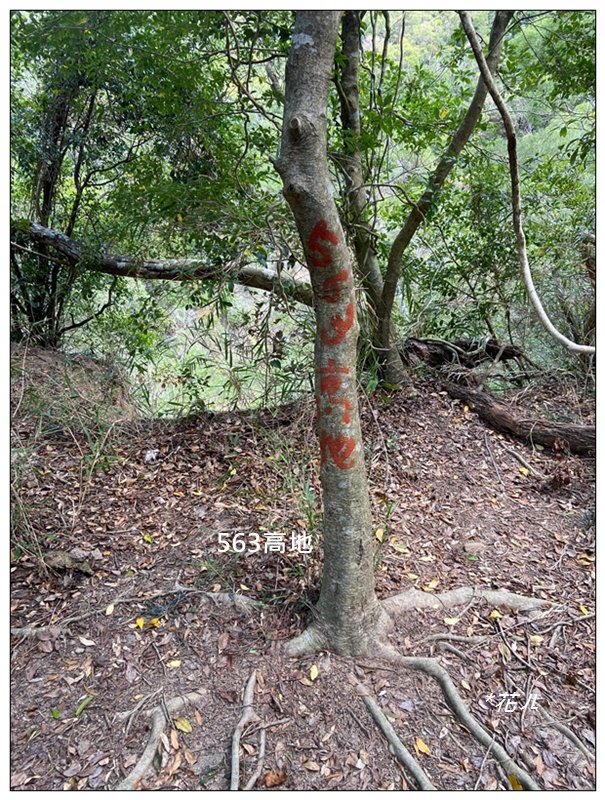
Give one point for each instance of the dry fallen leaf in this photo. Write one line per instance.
(183, 724)
(275, 778)
(422, 747)
(313, 672)
(312, 766)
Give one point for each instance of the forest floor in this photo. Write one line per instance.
(136, 511)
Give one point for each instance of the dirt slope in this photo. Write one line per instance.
(143, 515)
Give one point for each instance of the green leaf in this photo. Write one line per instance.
(84, 705)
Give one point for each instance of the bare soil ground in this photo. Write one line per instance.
(138, 508)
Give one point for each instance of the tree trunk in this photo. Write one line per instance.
(579, 439)
(348, 615)
(358, 224)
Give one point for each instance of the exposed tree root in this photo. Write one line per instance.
(309, 641)
(402, 754)
(431, 667)
(245, 604)
(415, 598)
(569, 734)
(247, 716)
(259, 764)
(158, 723)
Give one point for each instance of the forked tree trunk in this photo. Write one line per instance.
(348, 615)
(359, 224)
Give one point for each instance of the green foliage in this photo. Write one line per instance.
(149, 133)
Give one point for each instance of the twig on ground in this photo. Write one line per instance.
(563, 623)
(396, 745)
(485, 757)
(158, 723)
(453, 637)
(132, 715)
(525, 464)
(511, 649)
(491, 455)
(248, 715)
(362, 727)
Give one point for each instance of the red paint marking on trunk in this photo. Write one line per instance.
(323, 256)
(340, 327)
(331, 286)
(347, 408)
(339, 448)
(331, 368)
(330, 384)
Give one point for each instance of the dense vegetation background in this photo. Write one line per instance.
(150, 134)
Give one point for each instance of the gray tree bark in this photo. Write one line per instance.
(348, 616)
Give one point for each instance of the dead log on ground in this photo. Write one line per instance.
(579, 439)
(466, 352)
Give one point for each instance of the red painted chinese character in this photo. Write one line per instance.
(340, 327)
(331, 286)
(322, 257)
(339, 448)
(330, 384)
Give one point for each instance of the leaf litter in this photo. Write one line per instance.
(446, 520)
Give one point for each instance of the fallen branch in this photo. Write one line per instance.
(468, 353)
(402, 754)
(158, 723)
(184, 269)
(247, 716)
(581, 439)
